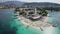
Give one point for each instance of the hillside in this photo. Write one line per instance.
(14, 3)
(42, 4)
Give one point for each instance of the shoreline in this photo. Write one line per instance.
(39, 25)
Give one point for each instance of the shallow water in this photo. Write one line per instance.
(9, 24)
(54, 18)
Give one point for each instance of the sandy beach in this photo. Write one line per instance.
(35, 24)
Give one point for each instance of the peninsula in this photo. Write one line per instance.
(34, 17)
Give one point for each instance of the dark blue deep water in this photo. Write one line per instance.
(6, 16)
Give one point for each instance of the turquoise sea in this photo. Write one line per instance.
(9, 24)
